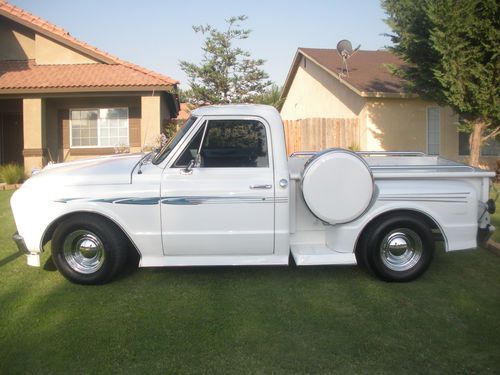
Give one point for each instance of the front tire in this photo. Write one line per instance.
(399, 247)
(87, 249)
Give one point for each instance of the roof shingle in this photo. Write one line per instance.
(367, 70)
(28, 75)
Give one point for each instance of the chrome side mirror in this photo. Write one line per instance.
(194, 163)
(189, 167)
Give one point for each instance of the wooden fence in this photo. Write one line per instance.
(314, 134)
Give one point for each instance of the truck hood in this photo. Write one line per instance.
(107, 170)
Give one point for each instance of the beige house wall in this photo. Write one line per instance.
(51, 52)
(314, 93)
(151, 119)
(16, 41)
(34, 133)
(396, 125)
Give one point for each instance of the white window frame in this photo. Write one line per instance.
(98, 127)
(427, 129)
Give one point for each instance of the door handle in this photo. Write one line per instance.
(261, 186)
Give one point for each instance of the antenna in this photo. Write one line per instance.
(344, 48)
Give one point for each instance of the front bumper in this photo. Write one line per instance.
(19, 240)
(33, 259)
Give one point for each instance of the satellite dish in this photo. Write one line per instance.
(344, 48)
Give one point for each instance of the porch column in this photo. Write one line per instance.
(34, 134)
(150, 120)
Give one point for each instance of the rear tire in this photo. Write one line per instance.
(87, 249)
(399, 247)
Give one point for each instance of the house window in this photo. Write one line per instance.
(433, 130)
(104, 127)
(490, 148)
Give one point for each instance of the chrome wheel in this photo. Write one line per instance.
(401, 249)
(83, 251)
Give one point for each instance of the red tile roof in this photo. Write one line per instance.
(111, 71)
(28, 75)
(368, 74)
(184, 112)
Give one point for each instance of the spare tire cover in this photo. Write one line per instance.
(337, 186)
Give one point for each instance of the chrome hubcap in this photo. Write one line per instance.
(83, 251)
(401, 249)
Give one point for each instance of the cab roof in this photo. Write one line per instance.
(265, 111)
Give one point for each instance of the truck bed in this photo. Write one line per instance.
(388, 165)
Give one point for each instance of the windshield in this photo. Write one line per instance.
(163, 153)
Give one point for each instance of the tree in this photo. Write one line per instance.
(271, 96)
(452, 51)
(227, 74)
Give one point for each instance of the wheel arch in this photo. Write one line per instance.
(49, 232)
(424, 216)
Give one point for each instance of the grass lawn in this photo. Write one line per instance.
(249, 320)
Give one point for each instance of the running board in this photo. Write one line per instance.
(214, 260)
(319, 254)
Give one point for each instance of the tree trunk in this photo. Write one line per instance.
(475, 142)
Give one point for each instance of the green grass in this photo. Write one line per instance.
(266, 320)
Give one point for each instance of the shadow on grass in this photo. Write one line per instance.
(49, 265)
(10, 258)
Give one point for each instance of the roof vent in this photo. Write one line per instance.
(344, 48)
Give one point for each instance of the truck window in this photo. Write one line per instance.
(165, 151)
(228, 144)
(191, 150)
(235, 144)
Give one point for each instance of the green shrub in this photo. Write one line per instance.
(11, 173)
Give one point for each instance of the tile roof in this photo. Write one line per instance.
(368, 74)
(134, 74)
(184, 111)
(17, 75)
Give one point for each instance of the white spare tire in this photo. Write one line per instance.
(337, 186)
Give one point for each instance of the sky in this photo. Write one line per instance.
(157, 34)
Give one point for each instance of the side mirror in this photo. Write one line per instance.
(194, 163)
(189, 167)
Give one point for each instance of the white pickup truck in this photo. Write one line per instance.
(224, 192)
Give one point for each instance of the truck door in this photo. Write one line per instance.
(223, 204)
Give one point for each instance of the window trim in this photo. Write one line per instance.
(427, 129)
(203, 122)
(98, 146)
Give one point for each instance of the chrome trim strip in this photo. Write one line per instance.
(422, 200)
(425, 194)
(220, 200)
(458, 197)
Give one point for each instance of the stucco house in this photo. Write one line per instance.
(62, 99)
(371, 100)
